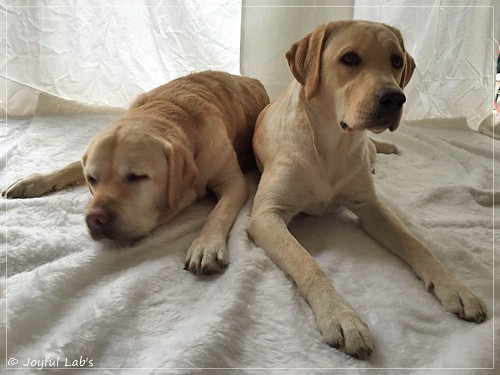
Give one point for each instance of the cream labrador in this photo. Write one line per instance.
(312, 147)
(174, 142)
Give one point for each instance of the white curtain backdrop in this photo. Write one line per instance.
(107, 52)
(455, 47)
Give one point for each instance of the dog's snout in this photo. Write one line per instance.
(390, 99)
(97, 219)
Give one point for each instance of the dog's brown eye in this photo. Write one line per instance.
(350, 59)
(397, 61)
(132, 177)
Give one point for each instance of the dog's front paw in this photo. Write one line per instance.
(459, 300)
(344, 330)
(29, 187)
(206, 256)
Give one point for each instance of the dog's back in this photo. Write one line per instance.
(239, 100)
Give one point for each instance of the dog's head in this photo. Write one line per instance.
(357, 69)
(136, 180)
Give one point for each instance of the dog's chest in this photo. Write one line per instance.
(333, 179)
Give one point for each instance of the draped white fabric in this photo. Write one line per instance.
(455, 46)
(107, 52)
(68, 298)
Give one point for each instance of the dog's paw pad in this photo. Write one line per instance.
(459, 300)
(346, 332)
(29, 187)
(206, 257)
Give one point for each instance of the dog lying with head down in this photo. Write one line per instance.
(312, 148)
(174, 143)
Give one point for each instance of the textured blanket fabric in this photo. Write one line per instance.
(73, 302)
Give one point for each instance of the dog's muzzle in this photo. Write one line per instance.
(385, 112)
(98, 222)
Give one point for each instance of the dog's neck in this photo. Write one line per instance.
(163, 120)
(324, 124)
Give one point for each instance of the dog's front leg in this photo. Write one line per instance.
(40, 184)
(339, 324)
(208, 253)
(383, 225)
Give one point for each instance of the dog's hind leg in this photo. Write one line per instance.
(384, 147)
(381, 148)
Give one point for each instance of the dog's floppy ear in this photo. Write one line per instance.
(83, 162)
(304, 58)
(409, 62)
(182, 172)
(407, 71)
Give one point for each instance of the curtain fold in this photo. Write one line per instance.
(107, 52)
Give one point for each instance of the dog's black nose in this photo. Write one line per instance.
(390, 99)
(97, 218)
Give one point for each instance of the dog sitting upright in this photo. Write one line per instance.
(174, 142)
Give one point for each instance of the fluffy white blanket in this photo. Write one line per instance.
(71, 302)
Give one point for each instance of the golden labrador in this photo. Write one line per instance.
(174, 142)
(312, 148)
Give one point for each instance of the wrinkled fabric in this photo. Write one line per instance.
(71, 299)
(107, 52)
